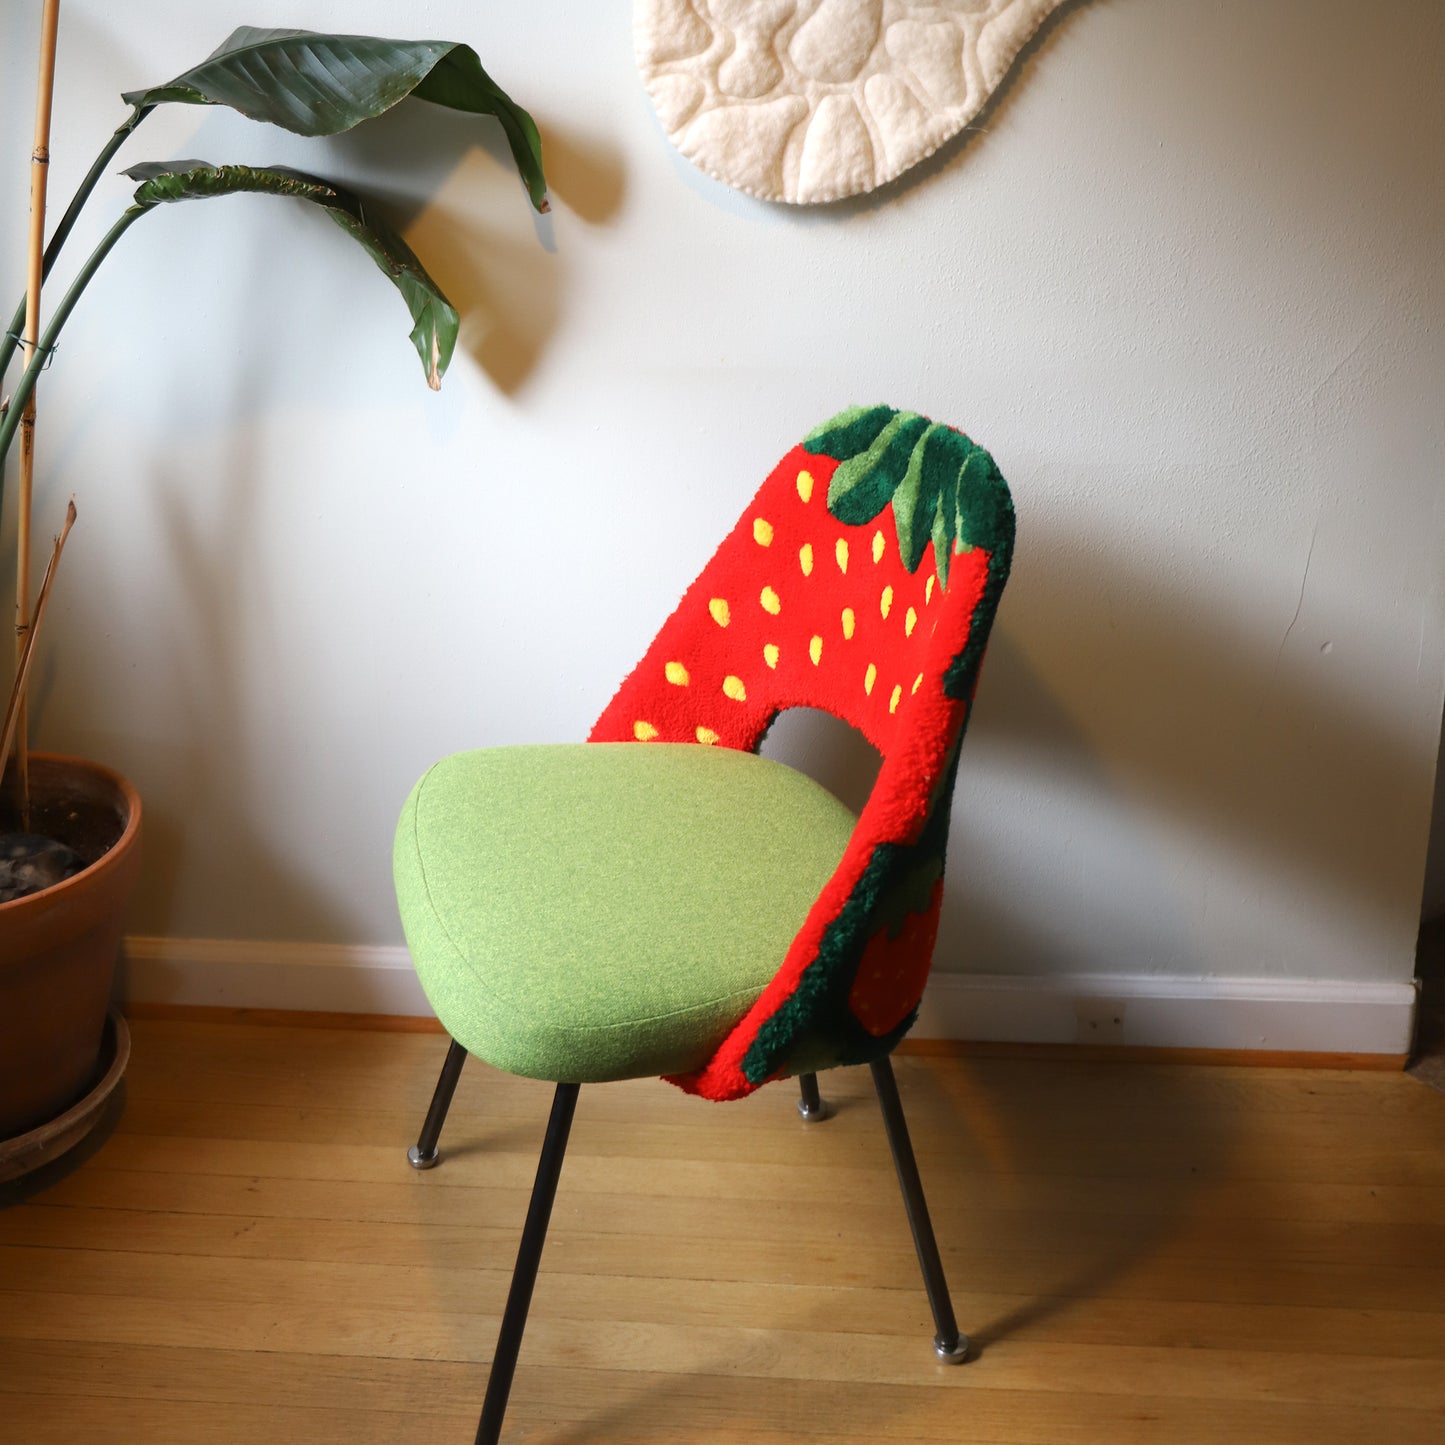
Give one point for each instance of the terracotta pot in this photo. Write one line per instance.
(58, 950)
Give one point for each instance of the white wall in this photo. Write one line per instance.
(1186, 284)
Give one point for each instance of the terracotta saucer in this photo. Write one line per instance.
(23, 1153)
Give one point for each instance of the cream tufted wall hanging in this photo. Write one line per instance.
(814, 100)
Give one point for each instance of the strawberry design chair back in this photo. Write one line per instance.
(660, 899)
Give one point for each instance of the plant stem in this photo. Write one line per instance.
(67, 222)
(35, 262)
(11, 420)
(16, 710)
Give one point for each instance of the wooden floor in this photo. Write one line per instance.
(1141, 1253)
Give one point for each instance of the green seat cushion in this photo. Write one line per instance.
(607, 910)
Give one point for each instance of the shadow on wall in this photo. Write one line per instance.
(1115, 701)
(208, 780)
(1109, 696)
(1187, 715)
(469, 220)
(213, 538)
(828, 750)
(468, 216)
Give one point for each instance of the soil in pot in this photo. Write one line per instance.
(68, 831)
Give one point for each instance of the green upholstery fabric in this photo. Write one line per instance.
(604, 910)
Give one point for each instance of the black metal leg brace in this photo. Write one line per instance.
(423, 1154)
(950, 1346)
(529, 1256)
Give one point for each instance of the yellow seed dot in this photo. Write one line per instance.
(719, 609)
(910, 621)
(762, 532)
(928, 589)
(644, 732)
(706, 735)
(770, 653)
(677, 674)
(849, 622)
(734, 688)
(917, 682)
(815, 650)
(885, 602)
(896, 698)
(805, 486)
(805, 558)
(841, 553)
(878, 545)
(869, 678)
(770, 602)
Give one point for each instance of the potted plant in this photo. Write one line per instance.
(60, 929)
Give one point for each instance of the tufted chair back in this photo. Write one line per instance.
(861, 580)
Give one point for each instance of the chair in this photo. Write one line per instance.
(686, 908)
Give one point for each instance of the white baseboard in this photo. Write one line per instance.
(1310, 1015)
(1285, 1015)
(243, 973)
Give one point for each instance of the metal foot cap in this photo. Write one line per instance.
(418, 1160)
(817, 1113)
(954, 1354)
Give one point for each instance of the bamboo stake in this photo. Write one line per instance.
(39, 178)
(17, 693)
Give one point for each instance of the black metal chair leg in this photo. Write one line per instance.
(529, 1255)
(950, 1346)
(423, 1154)
(811, 1104)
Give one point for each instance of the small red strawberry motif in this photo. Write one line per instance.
(894, 968)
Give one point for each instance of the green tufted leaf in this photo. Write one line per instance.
(916, 501)
(985, 516)
(945, 526)
(865, 484)
(910, 891)
(849, 433)
(942, 487)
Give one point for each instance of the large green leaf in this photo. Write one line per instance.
(317, 84)
(436, 322)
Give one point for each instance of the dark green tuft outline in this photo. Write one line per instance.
(942, 487)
